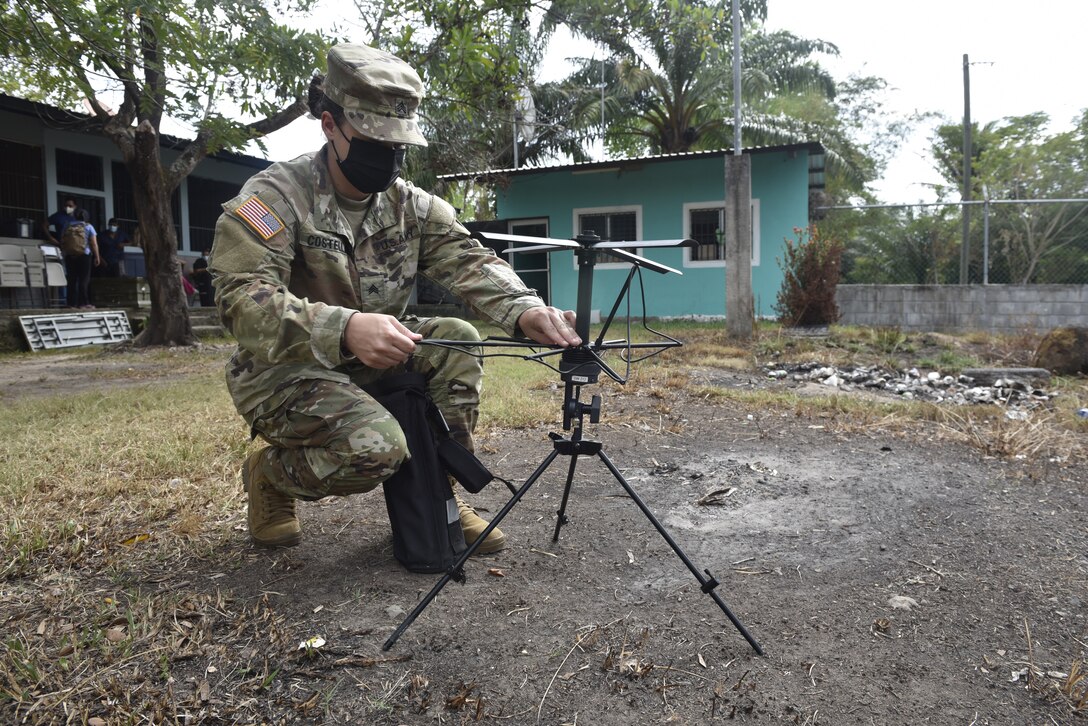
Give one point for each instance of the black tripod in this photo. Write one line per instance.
(580, 366)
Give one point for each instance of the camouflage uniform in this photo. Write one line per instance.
(289, 273)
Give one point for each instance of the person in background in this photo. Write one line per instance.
(54, 226)
(111, 246)
(187, 287)
(77, 264)
(203, 281)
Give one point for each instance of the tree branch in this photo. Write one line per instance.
(202, 145)
(153, 77)
(277, 120)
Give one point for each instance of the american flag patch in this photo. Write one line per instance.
(257, 215)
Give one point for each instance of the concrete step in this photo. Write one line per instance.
(210, 331)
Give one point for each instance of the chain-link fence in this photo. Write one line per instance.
(1034, 241)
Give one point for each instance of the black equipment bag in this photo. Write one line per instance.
(427, 534)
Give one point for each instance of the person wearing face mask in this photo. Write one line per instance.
(80, 260)
(56, 223)
(111, 247)
(313, 265)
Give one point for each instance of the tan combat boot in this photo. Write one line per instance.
(271, 516)
(473, 526)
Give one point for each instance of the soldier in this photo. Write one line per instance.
(314, 263)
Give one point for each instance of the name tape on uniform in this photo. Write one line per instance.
(259, 217)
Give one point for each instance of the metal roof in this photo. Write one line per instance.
(492, 174)
(75, 121)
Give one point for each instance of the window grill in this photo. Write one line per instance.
(706, 228)
(124, 203)
(22, 184)
(82, 171)
(610, 227)
(206, 198)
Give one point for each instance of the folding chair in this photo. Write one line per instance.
(35, 275)
(12, 273)
(56, 279)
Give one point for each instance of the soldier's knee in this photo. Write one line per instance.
(456, 329)
(369, 454)
(381, 449)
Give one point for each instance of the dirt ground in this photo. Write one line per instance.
(890, 579)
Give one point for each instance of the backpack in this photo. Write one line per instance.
(73, 240)
(427, 533)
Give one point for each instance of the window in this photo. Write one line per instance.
(532, 267)
(124, 202)
(613, 224)
(704, 222)
(706, 225)
(22, 186)
(82, 171)
(206, 198)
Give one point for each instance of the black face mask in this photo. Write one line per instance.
(370, 167)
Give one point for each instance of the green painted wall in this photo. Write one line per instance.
(662, 188)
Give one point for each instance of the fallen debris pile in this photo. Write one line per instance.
(1013, 391)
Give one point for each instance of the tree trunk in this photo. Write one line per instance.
(169, 323)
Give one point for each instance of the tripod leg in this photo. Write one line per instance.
(561, 519)
(455, 568)
(707, 583)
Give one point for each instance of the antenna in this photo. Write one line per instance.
(579, 365)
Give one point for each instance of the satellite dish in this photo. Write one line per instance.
(524, 115)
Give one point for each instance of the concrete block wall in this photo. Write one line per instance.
(991, 308)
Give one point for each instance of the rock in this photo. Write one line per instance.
(902, 602)
(1005, 386)
(1002, 377)
(1064, 351)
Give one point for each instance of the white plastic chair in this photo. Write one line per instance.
(12, 272)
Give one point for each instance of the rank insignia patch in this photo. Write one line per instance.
(259, 217)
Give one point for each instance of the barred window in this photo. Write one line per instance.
(124, 202)
(610, 227)
(22, 184)
(206, 197)
(82, 171)
(704, 222)
(706, 227)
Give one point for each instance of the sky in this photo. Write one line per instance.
(1025, 57)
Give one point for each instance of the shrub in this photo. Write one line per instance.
(812, 267)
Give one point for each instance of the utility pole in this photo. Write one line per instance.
(602, 84)
(738, 215)
(965, 246)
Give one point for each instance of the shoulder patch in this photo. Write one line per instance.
(439, 211)
(259, 217)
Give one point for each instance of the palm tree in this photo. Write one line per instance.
(677, 96)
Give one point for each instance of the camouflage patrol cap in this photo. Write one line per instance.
(378, 92)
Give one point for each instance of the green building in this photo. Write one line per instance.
(656, 197)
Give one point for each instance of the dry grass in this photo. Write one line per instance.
(111, 499)
(108, 501)
(1068, 689)
(516, 395)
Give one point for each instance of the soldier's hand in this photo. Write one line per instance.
(549, 325)
(379, 341)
